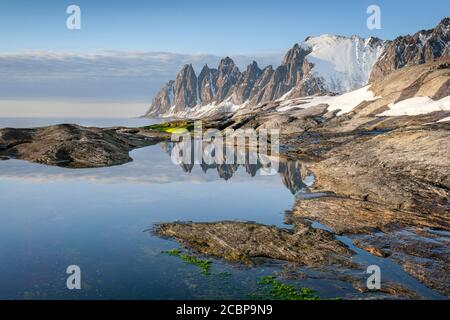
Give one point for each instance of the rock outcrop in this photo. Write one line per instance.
(288, 75)
(228, 75)
(73, 146)
(207, 80)
(244, 242)
(163, 100)
(244, 89)
(422, 47)
(185, 89)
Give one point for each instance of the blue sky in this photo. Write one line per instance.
(201, 26)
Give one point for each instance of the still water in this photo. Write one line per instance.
(97, 219)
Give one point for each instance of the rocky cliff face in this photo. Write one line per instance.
(185, 89)
(177, 96)
(422, 47)
(163, 100)
(207, 85)
(228, 75)
(288, 74)
(244, 88)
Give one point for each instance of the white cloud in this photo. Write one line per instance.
(101, 75)
(69, 109)
(81, 84)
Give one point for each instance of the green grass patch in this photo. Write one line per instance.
(173, 252)
(276, 290)
(177, 127)
(204, 265)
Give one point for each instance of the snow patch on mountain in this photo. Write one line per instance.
(417, 105)
(345, 103)
(204, 110)
(445, 120)
(343, 63)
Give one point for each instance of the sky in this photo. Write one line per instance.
(126, 50)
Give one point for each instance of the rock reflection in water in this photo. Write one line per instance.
(293, 174)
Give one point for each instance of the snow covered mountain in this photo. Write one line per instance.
(343, 63)
(323, 65)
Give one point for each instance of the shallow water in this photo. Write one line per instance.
(95, 218)
(98, 219)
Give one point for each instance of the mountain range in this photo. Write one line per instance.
(323, 65)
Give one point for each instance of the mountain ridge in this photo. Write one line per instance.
(321, 65)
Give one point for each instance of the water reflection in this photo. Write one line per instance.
(294, 175)
(151, 166)
(54, 217)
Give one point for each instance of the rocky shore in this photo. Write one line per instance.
(73, 146)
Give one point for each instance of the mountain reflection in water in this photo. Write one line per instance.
(294, 175)
(153, 165)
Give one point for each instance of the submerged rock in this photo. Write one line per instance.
(73, 146)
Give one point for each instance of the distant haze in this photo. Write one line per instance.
(111, 83)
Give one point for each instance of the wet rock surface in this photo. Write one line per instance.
(423, 255)
(245, 241)
(73, 146)
(355, 216)
(388, 188)
(407, 169)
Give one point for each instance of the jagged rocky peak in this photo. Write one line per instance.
(290, 73)
(228, 75)
(207, 85)
(163, 100)
(374, 42)
(243, 90)
(253, 71)
(422, 47)
(294, 62)
(257, 92)
(185, 89)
